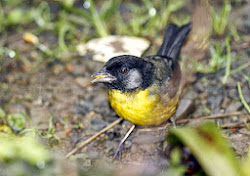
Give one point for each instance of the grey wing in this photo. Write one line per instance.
(171, 84)
(168, 73)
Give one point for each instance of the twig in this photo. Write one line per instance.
(212, 116)
(179, 121)
(93, 137)
(235, 125)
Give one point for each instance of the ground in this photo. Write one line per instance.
(61, 90)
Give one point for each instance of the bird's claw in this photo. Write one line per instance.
(118, 152)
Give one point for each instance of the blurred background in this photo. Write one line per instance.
(48, 51)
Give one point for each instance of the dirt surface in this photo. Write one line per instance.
(61, 90)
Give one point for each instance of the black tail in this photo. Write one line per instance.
(173, 40)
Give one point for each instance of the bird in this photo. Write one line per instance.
(146, 90)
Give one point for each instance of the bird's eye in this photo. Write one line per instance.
(123, 70)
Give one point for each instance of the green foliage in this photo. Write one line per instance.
(217, 60)
(7, 52)
(176, 168)
(24, 148)
(16, 121)
(242, 98)
(220, 19)
(215, 63)
(23, 156)
(228, 63)
(246, 164)
(94, 19)
(143, 20)
(21, 153)
(242, 67)
(50, 133)
(18, 16)
(150, 19)
(2, 113)
(5, 129)
(247, 77)
(209, 147)
(40, 15)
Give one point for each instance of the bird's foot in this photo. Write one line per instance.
(173, 121)
(118, 151)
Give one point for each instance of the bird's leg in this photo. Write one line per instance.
(119, 148)
(173, 121)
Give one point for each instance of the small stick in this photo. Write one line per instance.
(202, 118)
(93, 137)
(234, 125)
(212, 116)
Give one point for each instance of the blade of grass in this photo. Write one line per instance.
(61, 35)
(110, 9)
(148, 4)
(160, 20)
(220, 20)
(2, 17)
(123, 28)
(97, 21)
(242, 67)
(215, 63)
(2, 116)
(76, 11)
(228, 64)
(225, 16)
(247, 78)
(217, 57)
(242, 98)
(172, 6)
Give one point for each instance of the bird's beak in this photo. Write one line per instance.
(102, 76)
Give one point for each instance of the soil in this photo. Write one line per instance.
(62, 90)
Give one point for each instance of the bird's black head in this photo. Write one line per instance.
(125, 73)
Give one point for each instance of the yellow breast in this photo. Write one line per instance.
(141, 107)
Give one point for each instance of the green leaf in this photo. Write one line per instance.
(18, 16)
(220, 19)
(2, 113)
(228, 63)
(14, 148)
(242, 98)
(16, 121)
(175, 156)
(5, 129)
(210, 149)
(110, 8)
(68, 3)
(97, 21)
(246, 165)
